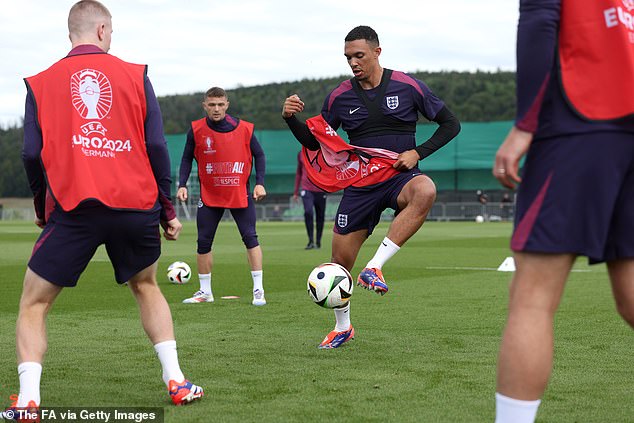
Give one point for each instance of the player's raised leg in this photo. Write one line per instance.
(413, 202)
(156, 318)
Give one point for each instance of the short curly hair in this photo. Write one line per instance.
(363, 33)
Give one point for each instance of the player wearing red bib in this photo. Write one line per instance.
(92, 121)
(575, 124)
(224, 149)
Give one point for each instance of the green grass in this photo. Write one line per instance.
(426, 352)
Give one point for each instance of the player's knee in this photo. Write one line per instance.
(423, 195)
(35, 306)
(308, 215)
(141, 286)
(204, 247)
(250, 241)
(427, 191)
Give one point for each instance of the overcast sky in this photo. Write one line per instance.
(191, 45)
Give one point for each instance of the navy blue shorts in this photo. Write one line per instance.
(361, 208)
(208, 218)
(70, 239)
(577, 196)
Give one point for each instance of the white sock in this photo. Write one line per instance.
(342, 317)
(205, 282)
(30, 374)
(509, 410)
(168, 357)
(257, 280)
(385, 252)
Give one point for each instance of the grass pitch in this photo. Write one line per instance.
(426, 352)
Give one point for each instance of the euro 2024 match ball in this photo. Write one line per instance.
(179, 272)
(330, 285)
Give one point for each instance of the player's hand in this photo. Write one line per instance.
(172, 228)
(259, 193)
(406, 160)
(292, 105)
(508, 156)
(295, 198)
(181, 194)
(39, 222)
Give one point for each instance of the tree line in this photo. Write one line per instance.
(472, 96)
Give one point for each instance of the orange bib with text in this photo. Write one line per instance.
(224, 164)
(91, 109)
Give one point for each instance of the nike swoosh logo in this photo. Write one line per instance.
(351, 111)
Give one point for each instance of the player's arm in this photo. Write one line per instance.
(158, 155)
(186, 165)
(433, 109)
(259, 160)
(292, 106)
(537, 34)
(298, 175)
(448, 128)
(31, 158)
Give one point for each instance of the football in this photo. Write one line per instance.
(179, 272)
(330, 285)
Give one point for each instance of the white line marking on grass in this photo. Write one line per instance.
(482, 268)
(460, 268)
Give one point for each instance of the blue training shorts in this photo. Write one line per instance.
(70, 239)
(577, 196)
(208, 218)
(361, 208)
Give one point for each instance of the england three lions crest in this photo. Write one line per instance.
(342, 220)
(392, 102)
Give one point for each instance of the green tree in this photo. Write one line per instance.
(13, 182)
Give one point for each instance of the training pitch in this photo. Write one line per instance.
(425, 352)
